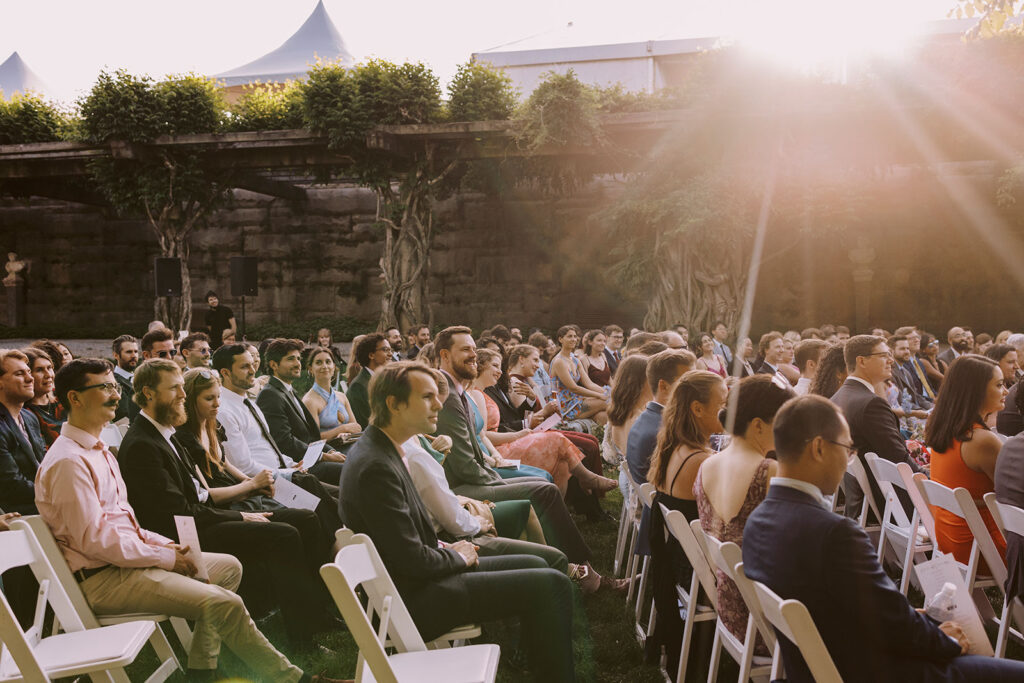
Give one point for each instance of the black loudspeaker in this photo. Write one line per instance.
(167, 275)
(243, 276)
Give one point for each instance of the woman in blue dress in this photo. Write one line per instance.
(330, 408)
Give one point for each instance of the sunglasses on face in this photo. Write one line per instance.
(167, 354)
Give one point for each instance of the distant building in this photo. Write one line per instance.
(317, 38)
(16, 78)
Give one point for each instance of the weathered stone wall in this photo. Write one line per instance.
(524, 261)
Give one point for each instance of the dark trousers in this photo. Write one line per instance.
(496, 546)
(327, 471)
(327, 510)
(288, 551)
(500, 588)
(987, 669)
(559, 529)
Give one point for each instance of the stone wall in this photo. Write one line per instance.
(524, 261)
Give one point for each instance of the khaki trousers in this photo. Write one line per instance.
(217, 611)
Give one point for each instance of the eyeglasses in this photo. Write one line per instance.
(851, 449)
(167, 354)
(109, 387)
(887, 354)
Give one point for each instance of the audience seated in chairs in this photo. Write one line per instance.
(964, 451)
(330, 408)
(121, 566)
(578, 396)
(801, 550)
(163, 482)
(731, 483)
(291, 424)
(690, 417)
(445, 585)
(21, 443)
(549, 450)
(43, 404)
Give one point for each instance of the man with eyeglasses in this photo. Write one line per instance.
(158, 343)
(372, 352)
(795, 545)
(21, 442)
(873, 424)
(122, 567)
(195, 349)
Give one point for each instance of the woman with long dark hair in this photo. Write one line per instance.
(964, 451)
(831, 372)
(578, 396)
(630, 396)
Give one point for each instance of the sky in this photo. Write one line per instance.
(68, 42)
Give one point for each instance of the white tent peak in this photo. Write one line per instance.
(317, 37)
(17, 78)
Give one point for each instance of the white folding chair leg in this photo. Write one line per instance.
(183, 632)
(622, 540)
(641, 591)
(716, 655)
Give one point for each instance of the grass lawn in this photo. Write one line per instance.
(603, 641)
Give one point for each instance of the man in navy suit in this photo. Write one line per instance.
(794, 544)
(613, 351)
(21, 443)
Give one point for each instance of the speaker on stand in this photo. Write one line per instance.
(167, 276)
(244, 281)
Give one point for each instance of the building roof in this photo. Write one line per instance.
(317, 37)
(17, 78)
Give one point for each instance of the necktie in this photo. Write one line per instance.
(264, 432)
(469, 424)
(924, 380)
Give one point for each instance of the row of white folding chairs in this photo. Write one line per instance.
(706, 553)
(89, 646)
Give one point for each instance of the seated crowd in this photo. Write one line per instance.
(460, 457)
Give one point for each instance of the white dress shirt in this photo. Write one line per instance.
(118, 370)
(803, 385)
(444, 507)
(246, 448)
(804, 487)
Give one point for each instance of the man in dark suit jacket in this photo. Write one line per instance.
(372, 352)
(613, 351)
(875, 428)
(1008, 420)
(21, 443)
(291, 424)
(794, 544)
(126, 357)
(465, 467)
(286, 546)
(958, 345)
(447, 585)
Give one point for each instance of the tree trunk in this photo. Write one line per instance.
(405, 264)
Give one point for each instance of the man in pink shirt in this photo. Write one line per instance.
(120, 566)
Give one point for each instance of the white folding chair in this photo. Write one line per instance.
(1009, 519)
(724, 557)
(793, 622)
(358, 565)
(622, 541)
(856, 468)
(26, 655)
(646, 496)
(897, 531)
(636, 564)
(35, 526)
(689, 597)
(454, 638)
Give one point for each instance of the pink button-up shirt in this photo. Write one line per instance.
(83, 499)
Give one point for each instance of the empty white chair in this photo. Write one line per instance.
(897, 531)
(27, 656)
(856, 468)
(689, 597)
(725, 556)
(358, 565)
(793, 622)
(1009, 519)
(456, 637)
(62, 573)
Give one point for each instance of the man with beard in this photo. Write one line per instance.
(420, 336)
(249, 445)
(469, 474)
(394, 337)
(163, 483)
(126, 357)
(291, 424)
(958, 345)
(123, 568)
(21, 443)
(195, 349)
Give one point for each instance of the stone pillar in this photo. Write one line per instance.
(863, 258)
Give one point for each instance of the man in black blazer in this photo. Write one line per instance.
(126, 357)
(21, 443)
(873, 425)
(613, 351)
(465, 467)
(958, 345)
(372, 352)
(286, 546)
(794, 544)
(291, 424)
(445, 585)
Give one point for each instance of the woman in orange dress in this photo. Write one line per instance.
(550, 451)
(964, 450)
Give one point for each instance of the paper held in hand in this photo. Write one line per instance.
(313, 453)
(933, 575)
(549, 423)
(187, 535)
(290, 495)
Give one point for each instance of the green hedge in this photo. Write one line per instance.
(343, 328)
